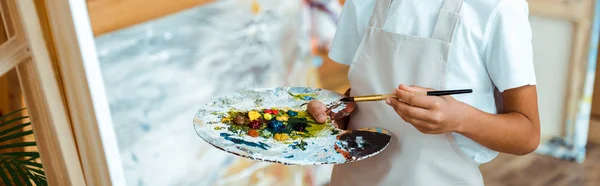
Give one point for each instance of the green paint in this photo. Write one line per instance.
(227, 101)
(303, 120)
(258, 102)
(334, 132)
(265, 134)
(239, 129)
(313, 129)
(233, 113)
(301, 145)
(298, 135)
(303, 96)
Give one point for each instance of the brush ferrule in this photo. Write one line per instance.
(378, 97)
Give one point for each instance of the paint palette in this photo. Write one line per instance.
(326, 144)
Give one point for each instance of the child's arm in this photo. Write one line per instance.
(508, 57)
(515, 131)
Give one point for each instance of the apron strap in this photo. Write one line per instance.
(382, 7)
(447, 20)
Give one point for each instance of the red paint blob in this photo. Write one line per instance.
(255, 125)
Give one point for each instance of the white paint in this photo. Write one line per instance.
(551, 51)
(359, 141)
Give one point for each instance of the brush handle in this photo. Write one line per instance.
(448, 92)
(381, 97)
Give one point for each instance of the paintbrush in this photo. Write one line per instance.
(381, 97)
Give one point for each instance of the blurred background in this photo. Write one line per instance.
(160, 60)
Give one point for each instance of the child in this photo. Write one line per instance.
(484, 45)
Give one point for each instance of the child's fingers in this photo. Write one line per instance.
(414, 88)
(412, 99)
(317, 110)
(408, 111)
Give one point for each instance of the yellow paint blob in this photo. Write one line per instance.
(281, 137)
(282, 118)
(253, 115)
(226, 119)
(268, 116)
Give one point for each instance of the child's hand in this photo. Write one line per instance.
(319, 112)
(429, 114)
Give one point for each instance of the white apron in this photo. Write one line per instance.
(383, 61)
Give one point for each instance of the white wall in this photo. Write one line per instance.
(551, 48)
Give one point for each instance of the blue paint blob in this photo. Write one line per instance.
(145, 127)
(290, 156)
(276, 126)
(134, 158)
(244, 142)
(292, 113)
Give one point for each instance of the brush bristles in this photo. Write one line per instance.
(350, 99)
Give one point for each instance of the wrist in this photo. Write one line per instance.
(466, 112)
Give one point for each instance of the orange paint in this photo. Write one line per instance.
(344, 153)
(255, 7)
(253, 133)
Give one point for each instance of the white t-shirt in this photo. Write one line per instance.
(491, 47)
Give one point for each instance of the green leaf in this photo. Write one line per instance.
(3, 174)
(21, 154)
(11, 113)
(20, 167)
(33, 158)
(18, 176)
(35, 179)
(38, 171)
(13, 172)
(13, 120)
(16, 135)
(23, 176)
(38, 180)
(17, 145)
(31, 163)
(41, 178)
(9, 130)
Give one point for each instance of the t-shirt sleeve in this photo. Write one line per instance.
(509, 53)
(347, 36)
